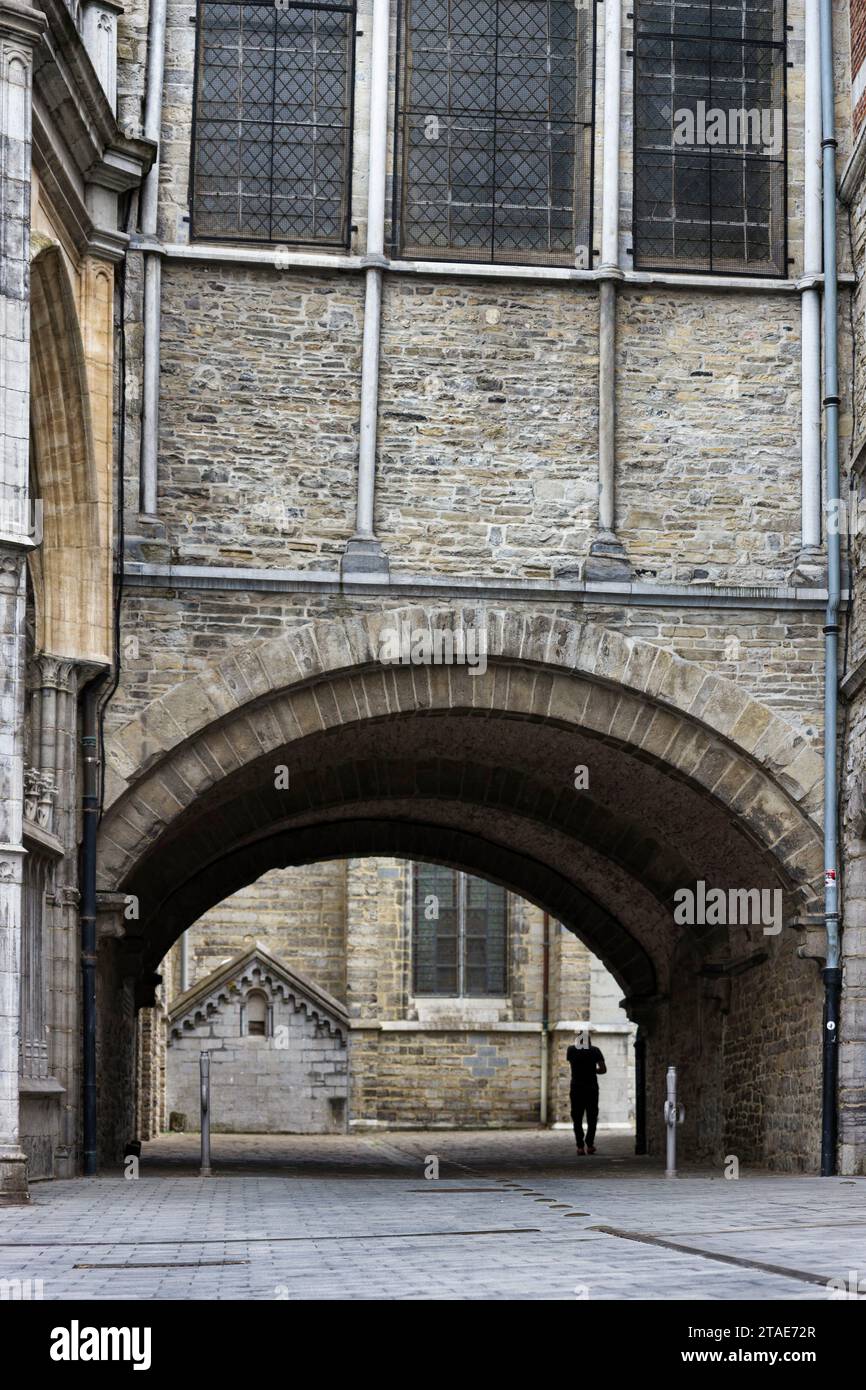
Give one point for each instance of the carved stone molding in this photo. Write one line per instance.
(39, 796)
(47, 672)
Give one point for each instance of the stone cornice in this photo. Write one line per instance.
(76, 138)
(43, 839)
(66, 80)
(291, 260)
(65, 188)
(21, 22)
(495, 588)
(226, 978)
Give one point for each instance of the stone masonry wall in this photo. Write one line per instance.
(299, 914)
(701, 381)
(259, 415)
(775, 656)
(488, 454)
(487, 467)
(257, 1087)
(852, 729)
(487, 418)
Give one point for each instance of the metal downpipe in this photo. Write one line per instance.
(832, 972)
(87, 916)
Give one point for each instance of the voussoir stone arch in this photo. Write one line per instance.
(326, 674)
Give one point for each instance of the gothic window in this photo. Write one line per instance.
(710, 136)
(37, 886)
(272, 123)
(460, 935)
(256, 1014)
(495, 155)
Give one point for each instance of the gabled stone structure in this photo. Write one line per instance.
(278, 1046)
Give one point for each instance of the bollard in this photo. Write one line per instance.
(674, 1115)
(204, 1065)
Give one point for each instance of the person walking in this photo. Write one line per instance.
(587, 1065)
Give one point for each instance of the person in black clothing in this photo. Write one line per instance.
(587, 1064)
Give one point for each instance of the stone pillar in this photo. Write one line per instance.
(20, 31)
(651, 1018)
(607, 559)
(99, 32)
(363, 553)
(53, 683)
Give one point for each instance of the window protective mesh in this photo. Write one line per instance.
(710, 136)
(273, 122)
(496, 123)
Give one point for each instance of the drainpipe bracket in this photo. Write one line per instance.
(145, 539)
(607, 559)
(809, 571)
(364, 558)
(141, 241)
(814, 947)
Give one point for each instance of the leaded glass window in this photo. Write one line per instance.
(495, 158)
(709, 141)
(273, 115)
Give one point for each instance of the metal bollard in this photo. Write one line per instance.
(674, 1115)
(204, 1066)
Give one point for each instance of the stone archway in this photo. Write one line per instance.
(690, 779)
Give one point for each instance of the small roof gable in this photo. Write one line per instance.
(234, 972)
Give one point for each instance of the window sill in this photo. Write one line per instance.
(40, 1086)
(213, 253)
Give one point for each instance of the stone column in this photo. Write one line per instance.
(99, 32)
(54, 685)
(20, 31)
(810, 561)
(363, 553)
(607, 559)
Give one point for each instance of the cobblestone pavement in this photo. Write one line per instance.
(511, 1215)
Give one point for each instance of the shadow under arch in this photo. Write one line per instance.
(419, 786)
(620, 953)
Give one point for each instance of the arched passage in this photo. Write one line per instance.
(307, 747)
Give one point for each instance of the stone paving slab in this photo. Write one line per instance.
(513, 1215)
